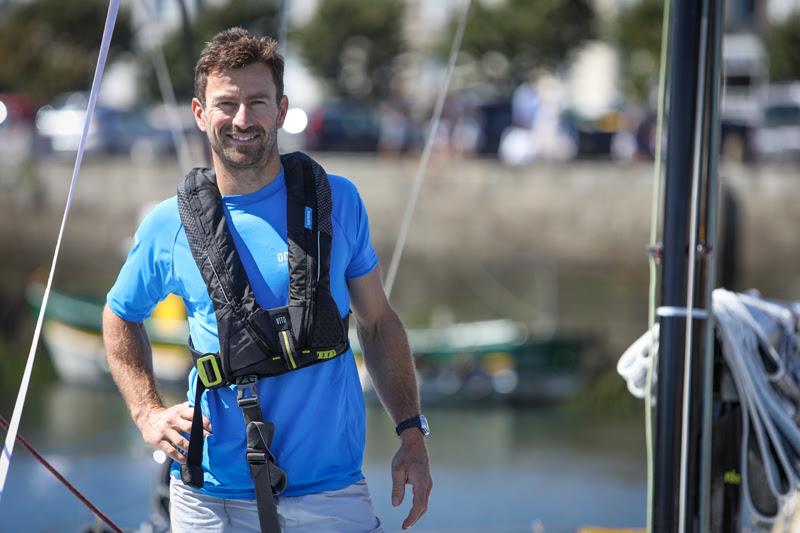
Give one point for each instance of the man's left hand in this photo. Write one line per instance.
(410, 466)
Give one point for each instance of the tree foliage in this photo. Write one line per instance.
(351, 44)
(260, 17)
(638, 36)
(783, 43)
(51, 46)
(531, 35)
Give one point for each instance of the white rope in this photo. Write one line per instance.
(13, 427)
(673, 311)
(426, 154)
(693, 220)
(747, 329)
(760, 392)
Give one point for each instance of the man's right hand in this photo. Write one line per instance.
(164, 428)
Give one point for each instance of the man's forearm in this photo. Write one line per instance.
(130, 361)
(391, 365)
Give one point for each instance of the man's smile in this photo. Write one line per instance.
(243, 138)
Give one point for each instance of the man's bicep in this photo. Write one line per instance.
(367, 297)
(121, 336)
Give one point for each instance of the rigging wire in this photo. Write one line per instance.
(13, 428)
(283, 26)
(167, 90)
(426, 154)
(97, 512)
(168, 95)
(713, 197)
(655, 208)
(694, 215)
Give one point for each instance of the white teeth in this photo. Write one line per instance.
(243, 138)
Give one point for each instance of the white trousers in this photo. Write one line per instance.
(347, 510)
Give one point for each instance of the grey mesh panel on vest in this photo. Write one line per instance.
(324, 202)
(195, 241)
(327, 330)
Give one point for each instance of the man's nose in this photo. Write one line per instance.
(242, 118)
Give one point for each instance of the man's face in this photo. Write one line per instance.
(241, 116)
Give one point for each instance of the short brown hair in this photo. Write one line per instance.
(237, 48)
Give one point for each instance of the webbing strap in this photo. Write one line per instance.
(192, 471)
(268, 479)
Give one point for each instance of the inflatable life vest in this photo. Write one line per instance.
(257, 342)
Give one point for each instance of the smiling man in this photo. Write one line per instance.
(269, 254)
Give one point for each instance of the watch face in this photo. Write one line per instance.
(423, 425)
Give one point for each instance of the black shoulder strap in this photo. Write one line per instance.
(316, 322)
(242, 325)
(200, 208)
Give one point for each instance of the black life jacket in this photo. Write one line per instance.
(257, 342)
(254, 340)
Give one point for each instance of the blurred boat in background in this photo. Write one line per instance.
(72, 334)
(493, 360)
(490, 361)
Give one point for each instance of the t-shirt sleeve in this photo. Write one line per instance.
(363, 259)
(144, 278)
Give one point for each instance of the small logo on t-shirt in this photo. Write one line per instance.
(283, 257)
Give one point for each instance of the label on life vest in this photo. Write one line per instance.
(326, 354)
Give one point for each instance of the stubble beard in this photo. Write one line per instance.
(235, 158)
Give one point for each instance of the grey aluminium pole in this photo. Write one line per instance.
(702, 241)
(714, 73)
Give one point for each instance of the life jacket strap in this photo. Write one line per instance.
(210, 370)
(192, 471)
(268, 479)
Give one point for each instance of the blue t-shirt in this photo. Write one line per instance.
(318, 411)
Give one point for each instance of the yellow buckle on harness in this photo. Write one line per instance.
(203, 375)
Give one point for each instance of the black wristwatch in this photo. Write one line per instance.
(419, 422)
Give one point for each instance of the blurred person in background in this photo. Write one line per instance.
(536, 132)
(314, 461)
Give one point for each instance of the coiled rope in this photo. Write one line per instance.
(761, 349)
(769, 396)
(13, 426)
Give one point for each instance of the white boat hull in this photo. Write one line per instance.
(79, 357)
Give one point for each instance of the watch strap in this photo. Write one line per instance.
(413, 422)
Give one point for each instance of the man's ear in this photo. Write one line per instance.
(199, 114)
(283, 107)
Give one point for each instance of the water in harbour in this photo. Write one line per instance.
(495, 469)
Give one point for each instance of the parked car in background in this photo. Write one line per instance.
(113, 131)
(343, 126)
(17, 137)
(778, 135)
(745, 74)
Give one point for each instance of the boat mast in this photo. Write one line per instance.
(682, 423)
